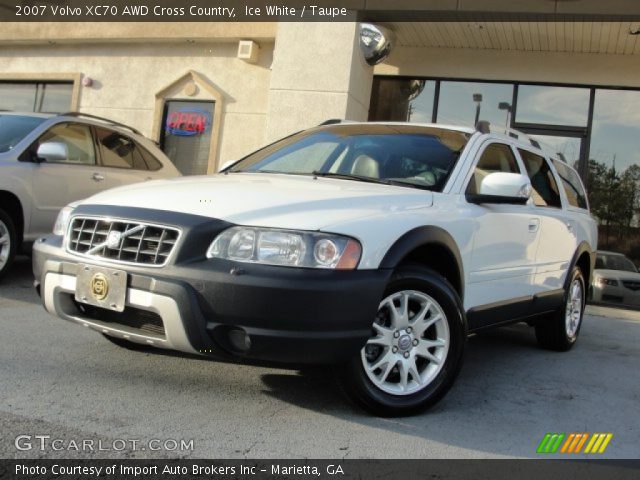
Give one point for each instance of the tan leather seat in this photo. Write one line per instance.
(366, 166)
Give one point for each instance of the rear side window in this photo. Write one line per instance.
(571, 184)
(545, 188)
(497, 157)
(118, 151)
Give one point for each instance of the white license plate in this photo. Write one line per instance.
(101, 287)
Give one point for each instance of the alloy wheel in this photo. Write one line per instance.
(410, 343)
(573, 311)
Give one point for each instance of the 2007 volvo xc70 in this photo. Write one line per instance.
(377, 247)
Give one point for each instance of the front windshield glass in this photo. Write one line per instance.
(421, 157)
(614, 262)
(13, 128)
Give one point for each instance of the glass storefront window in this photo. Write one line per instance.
(556, 116)
(400, 100)
(614, 170)
(566, 148)
(457, 106)
(549, 105)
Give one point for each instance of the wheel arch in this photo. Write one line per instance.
(430, 246)
(584, 258)
(12, 206)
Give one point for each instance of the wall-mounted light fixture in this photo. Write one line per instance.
(376, 42)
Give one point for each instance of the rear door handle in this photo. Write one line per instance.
(98, 177)
(534, 224)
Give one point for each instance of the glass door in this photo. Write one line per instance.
(186, 134)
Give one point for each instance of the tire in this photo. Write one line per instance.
(121, 342)
(560, 330)
(383, 377)
(8, 242)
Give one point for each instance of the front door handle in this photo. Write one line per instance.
(534, 224)
(98, 177)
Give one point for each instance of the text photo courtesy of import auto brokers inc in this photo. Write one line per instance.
(336, 239)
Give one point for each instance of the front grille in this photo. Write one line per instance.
(122, 240)
(631, 285)
(134, 318)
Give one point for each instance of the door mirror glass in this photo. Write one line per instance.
(506, 185)
(502, 187)
(53, 152)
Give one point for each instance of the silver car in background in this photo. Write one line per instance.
(48, 161)
(615, 280)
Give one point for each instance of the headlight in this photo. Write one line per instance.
(607, 281)
(62, 222)
(287, 248)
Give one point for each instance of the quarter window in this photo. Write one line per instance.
(497, 157)
(571, 184)
(545, 188)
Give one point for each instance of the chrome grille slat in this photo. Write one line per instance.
(148, 244)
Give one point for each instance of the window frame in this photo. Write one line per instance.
(137, 145)
(478, 155)
(30, 153)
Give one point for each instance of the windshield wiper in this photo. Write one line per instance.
(349, 176)
(394, 181)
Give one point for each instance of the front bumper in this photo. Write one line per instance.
(616, 295)
(296, 316)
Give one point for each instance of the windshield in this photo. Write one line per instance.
(407, 155)
(13, 128)
(614, 262)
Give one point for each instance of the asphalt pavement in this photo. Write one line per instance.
(62, 381)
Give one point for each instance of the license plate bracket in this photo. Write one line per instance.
(101, 287)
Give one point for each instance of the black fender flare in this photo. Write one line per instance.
(420, 237)
(583, 247)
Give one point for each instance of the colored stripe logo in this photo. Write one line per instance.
(574, 443)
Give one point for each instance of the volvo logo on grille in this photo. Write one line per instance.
(113, 239)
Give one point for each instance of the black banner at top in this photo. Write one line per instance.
(274, 10)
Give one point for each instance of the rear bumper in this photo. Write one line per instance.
(295, 316)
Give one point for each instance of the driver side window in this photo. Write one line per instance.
(78, 142)
(497, 157)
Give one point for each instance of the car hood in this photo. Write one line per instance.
(272, 200)
(616, 274)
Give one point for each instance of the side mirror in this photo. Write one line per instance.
(52, 152)
(502, 187)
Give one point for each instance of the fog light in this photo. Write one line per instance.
(239, 340)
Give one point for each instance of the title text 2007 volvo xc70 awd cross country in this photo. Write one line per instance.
(377, 247)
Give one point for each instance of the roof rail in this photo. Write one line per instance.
(331, 121)
(102, 119)
(483, 126)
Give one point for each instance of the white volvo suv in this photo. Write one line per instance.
(375, 247)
